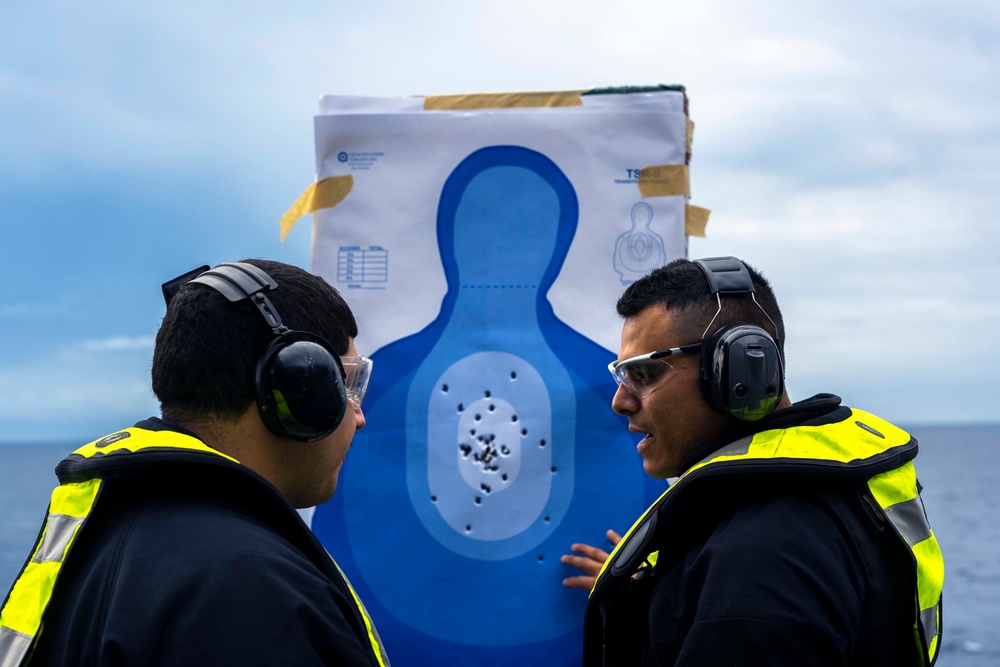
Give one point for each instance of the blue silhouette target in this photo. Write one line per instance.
(491, 445)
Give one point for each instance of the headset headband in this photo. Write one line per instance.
(726, 274)
(729, 275)
(244, 281)
(236, 281)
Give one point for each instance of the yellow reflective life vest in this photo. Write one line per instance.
(861, 448)
(82, 475)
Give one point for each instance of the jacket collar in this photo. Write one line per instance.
(817, 409)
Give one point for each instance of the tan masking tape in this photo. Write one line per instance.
(665, 180)
(695, 220)
(322, 194)
(564, 98)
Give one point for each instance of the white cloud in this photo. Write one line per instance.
(17, 310)
(119, 343)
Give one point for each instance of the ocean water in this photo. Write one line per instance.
(958, 466)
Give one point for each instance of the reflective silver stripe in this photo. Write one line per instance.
(371, 624)
(381, 648)
(928, 619)
(909, 519)
(373, 636)
(59, 532)
(740, 447)
(13, 647)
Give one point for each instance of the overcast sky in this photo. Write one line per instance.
(848, 150)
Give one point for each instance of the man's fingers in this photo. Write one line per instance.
(588, 565)
(589, 560)
(599, 555)
(581, 582)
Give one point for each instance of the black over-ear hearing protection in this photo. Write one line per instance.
(741, 370)
(299, 381)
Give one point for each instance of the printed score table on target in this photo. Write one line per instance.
(356, 264)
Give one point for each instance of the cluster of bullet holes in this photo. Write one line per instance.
(487, 453)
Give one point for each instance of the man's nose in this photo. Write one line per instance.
(623, 402)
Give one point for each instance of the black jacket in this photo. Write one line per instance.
(195, 561)
(768, 572)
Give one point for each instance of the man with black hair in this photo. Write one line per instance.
(793, 534)
(177, 541)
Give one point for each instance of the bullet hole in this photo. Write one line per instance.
(434, 499)
(472, 431)
(492, 407)
(487, 392)
(444, 389)
(553, 468)
(513, 418)
(541, 558)
(461, 407)
(524, 431)
(466, 450)
(513, 375)
(505, 450)
(479, 500)
(547, 519)
(541, 443)
(504, 477)
(468, 527)
(479, 417)
(486, 488)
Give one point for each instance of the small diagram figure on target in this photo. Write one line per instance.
(639, 250)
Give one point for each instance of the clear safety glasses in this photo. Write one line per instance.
(357, 374)
(642, 375)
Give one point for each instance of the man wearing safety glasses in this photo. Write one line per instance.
(176, 541)
(793, 534)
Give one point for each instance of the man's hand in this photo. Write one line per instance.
(590, 561)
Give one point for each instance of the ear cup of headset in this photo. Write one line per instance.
(741, 373)
(300, 387)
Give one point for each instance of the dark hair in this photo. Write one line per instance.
(207, 346)
(682, 288)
